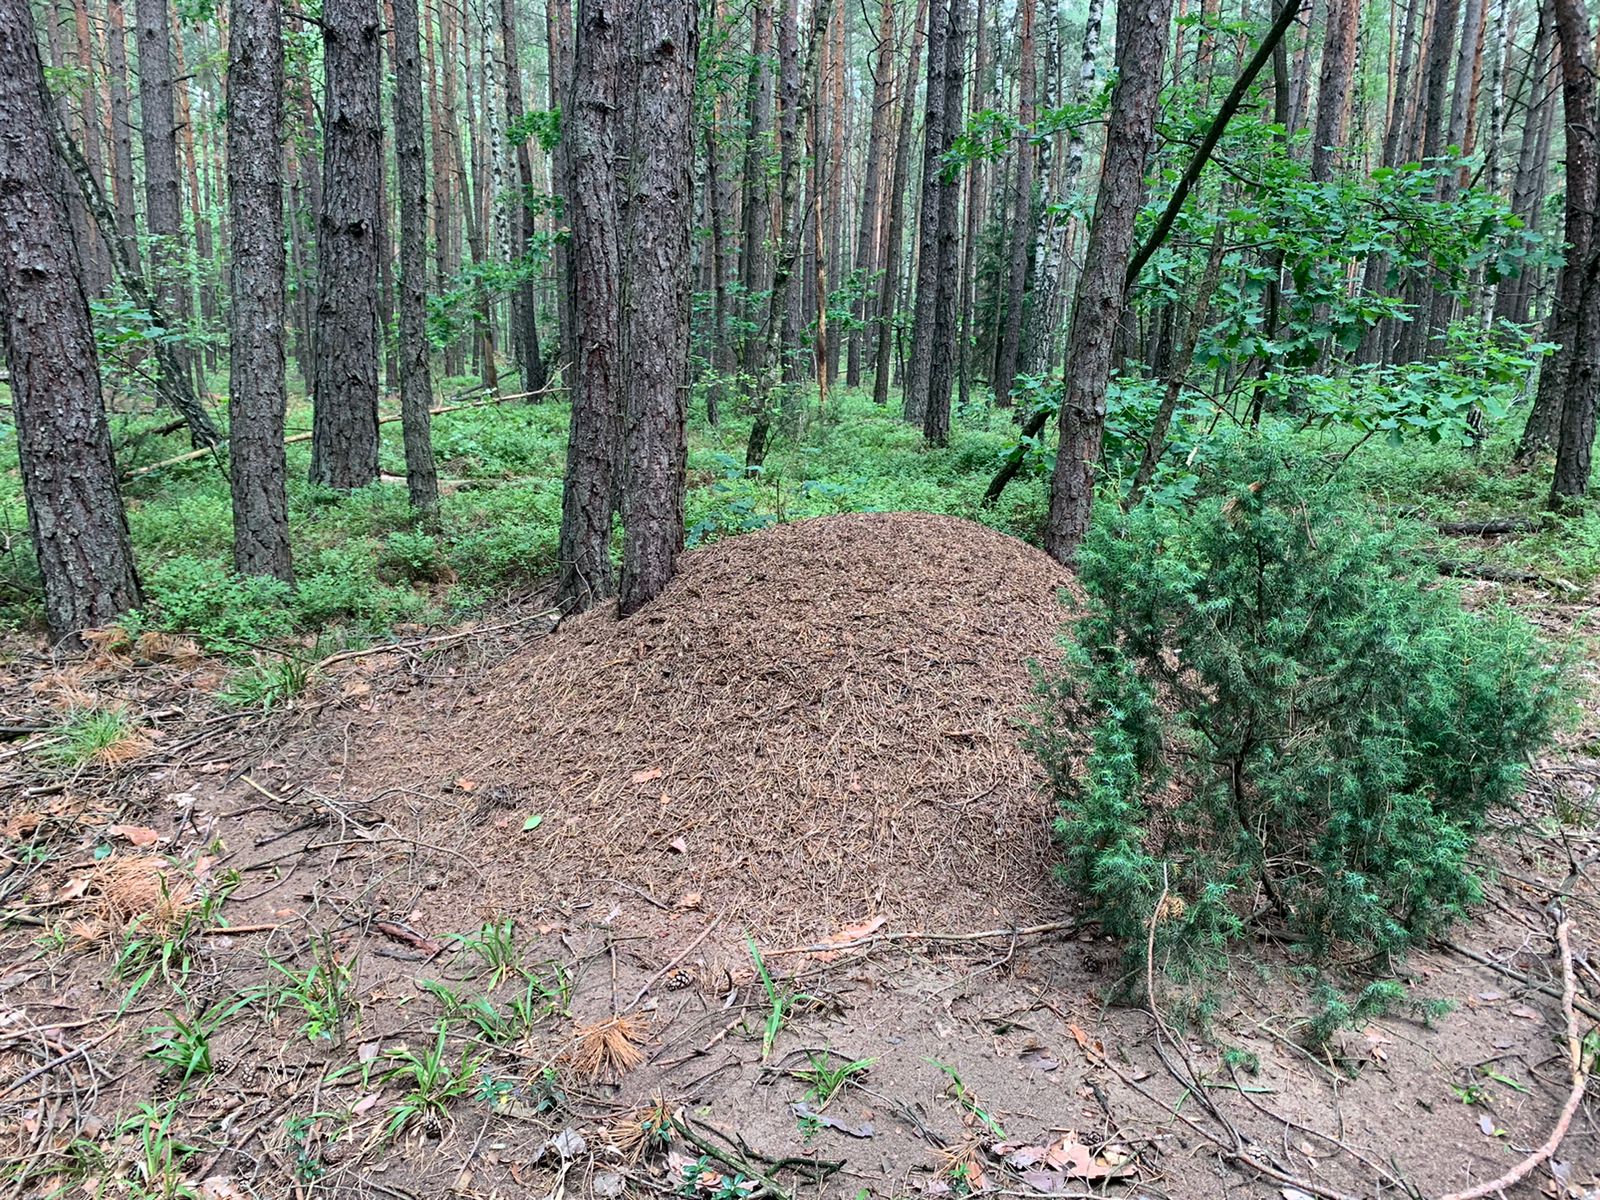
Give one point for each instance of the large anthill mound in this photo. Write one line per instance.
(816, 723)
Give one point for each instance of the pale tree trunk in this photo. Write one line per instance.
(344, 441)
(894, 237)
(416, 384)
(256, 384)
(1102, 288)
(1022, 214)
(75, 516)
(96, 270)
(558, 35)
(524, 300)
(593, 134)
(121, 128)
(157, 128)
(867, 248)
(976, 173)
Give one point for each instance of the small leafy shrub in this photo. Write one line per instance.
(411, 556)
(221, 610)
(1288, 717)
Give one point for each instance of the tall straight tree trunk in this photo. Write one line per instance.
(1394, 134)
(158, 131)
(198, 221)
(458, 186)
(96, 270)
(121, 127)
(1514, 297)
(1043, 338)
(914, 402)
(416, 385)
(75, 516)
(831, 263)
(982, 71)
(256, 273)
(1582, 172)
(1102, 288)
(894, 238)
(655, 309)
(754, 252)
(867, 249)
(945, 351)
(1022, 214)
(524, 299)
(344, 438)
(1333, 91)
(585, 571)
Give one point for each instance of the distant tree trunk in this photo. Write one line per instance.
(1042, 337)
(1394, 134)
(157, 127)
(416, 385)
(344, 440)
(585, 572)
(524, 300)
(946, 328)
(558, 31)
(758, 109)
(1583, 169)
(1102, 289)
(1022, 214)
(96, 270)
(914, 402)
(1514, 297)
(792, 158)
(75, 516)
(199, 225)
(894, 238)
(1333, 93)
(982, 71)
(838, 128)
(256, 273)
(121, 127)
(655, 311)
(867, 249)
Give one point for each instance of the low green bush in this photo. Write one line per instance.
(1289, 719)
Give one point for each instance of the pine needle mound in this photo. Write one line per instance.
(816, 725)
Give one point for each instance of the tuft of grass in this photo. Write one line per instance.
(494, 945)
(430, 1080)
(182, 1047)
(270, 682)
(781, 1001)
(324, 993)
(99, 736)
(827, 1078)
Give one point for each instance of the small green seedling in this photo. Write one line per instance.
(826, 1079)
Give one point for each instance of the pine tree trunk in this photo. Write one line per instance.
(121, 127)
(96, 270)
(158, 131)
(344, 441)
(655, 309)
(1333, 93)
(976, 172)
(752, 263)
(558, 41)
(416, 384)
(914, 402)
(1097, 310)
(524, 298)
(75, 516)
(586, 576)
(1545, 420)
(1022, 216)
(867, 248)
(1514, 297)
(256, 275)
(945, 350)
(894, 239)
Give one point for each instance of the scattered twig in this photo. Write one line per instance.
(1492, 526)
(886, 938)
(60, 1060)
(677, 958)
(1579, 1080)
(1582, 1006)
(454, 636)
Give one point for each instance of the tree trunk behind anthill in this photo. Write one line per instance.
(894, 236)
(867, 249)
(1102, 289)
(914, 402)
(344, 440)
(75, 515)
(946, 327)
(256, 315)
(1022, 216)
(655, 310)
(158, 131)
(585, 572)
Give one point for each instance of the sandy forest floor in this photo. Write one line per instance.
(661, 882)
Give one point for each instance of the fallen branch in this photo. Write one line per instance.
(1582, 1006)
(1492, 526)
(879, 938)
(402, 647)
(678, 958)
(306, 437)
(1493, 574)
(1579, 1080)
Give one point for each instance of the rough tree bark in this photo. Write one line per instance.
(256, 278)
(344, 438)
(867, 255)
(914, 401)
(1333, 90)
(894, 237)
(121, 128)
(585, 572)
(1022, 213)
(75, 516)
(416, 384)
(758, 109)
(158, 132)
(655, 310)
(946, 328)
(1102, 288)
(1583, 171)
